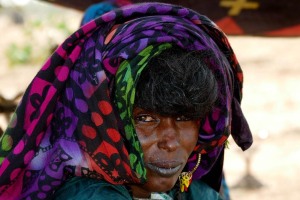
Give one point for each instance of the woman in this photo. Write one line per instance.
(90, 118)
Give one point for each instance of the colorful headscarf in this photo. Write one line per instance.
(70, 123)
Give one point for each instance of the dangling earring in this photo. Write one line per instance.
(185, 178)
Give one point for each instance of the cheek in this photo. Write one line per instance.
(189, 138)
(146, 138)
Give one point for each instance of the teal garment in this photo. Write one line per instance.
(79, 188)
(198, 190)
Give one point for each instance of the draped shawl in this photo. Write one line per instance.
(75, 116)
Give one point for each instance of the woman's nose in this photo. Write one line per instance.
(168, 135)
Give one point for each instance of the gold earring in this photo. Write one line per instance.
(185, 178)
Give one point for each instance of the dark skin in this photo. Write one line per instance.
(167, 142)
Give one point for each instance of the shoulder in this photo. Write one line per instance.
(202, 191)
(197, 190)
(91, 189)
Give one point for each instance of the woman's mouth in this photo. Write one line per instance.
(165, 169)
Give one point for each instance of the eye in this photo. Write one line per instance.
(183, 118)
(144, 118)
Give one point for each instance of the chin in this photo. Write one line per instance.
(155, 183)
(161, 184)
(164, 187)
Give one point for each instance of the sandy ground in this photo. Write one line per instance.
(271, 104)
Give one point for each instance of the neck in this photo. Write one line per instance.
(140, 193)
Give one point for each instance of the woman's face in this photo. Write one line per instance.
(167, 143)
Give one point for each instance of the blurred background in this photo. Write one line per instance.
(31, 30)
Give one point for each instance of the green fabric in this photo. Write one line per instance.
(79, 188)
(126, 80)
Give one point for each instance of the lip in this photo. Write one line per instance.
(165, 169)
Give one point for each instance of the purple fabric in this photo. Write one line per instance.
(66, 124)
